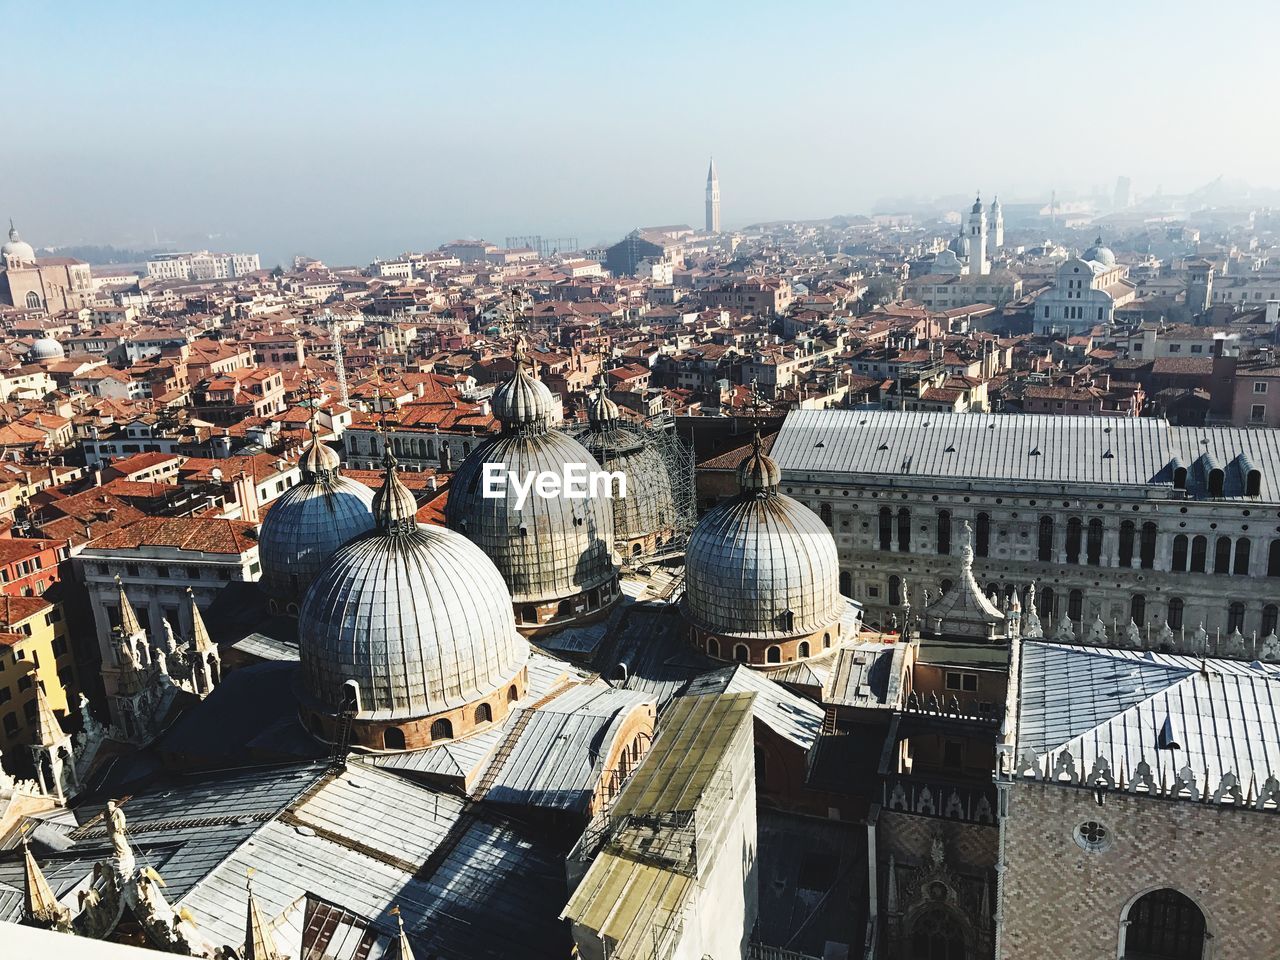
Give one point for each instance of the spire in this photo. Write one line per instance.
(258, 943)
(48, 730)
(394, 507)
(759, 475)
(712, 177)
(39, 904)
(200, 641)
(405, 952)
(128, 616)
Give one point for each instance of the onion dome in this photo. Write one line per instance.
(46, 348)
(601, 410)
(977, 205)
(16, 248)
(523, 400)
(309, 522)
(763, 568)
(416, 618)
(1100, 254)
(555, 552)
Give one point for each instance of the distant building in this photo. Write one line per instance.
(202, 265)
(1089, 289)
(713, 199)
(51, 284)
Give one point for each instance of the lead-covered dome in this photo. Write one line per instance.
(15, 248)
(554, 552)
(1100, 254)
(417, 620)
(46, 348)
(762, 568)
(311, 520)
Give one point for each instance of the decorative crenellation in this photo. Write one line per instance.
(1164, 780)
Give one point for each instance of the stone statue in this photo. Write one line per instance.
(116, 829)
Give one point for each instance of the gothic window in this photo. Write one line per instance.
(983, 546)
(1163, 925)
(1046, 539)
(904, 530)
(1138, 609)
(1074, 528)
(442, 729)
(1093, 549)
(1235, 617)
(886, 528)
(1222, 555)
(33, 300)
(944, 531)
(1147, 546)
(1075, 605)
(1241, 566)
(1126, 542)
(1180, 553)
(938, 936)
(1175, 613)
(1270, 619)
(1199, 548)
(393, 738)
(1092, 835)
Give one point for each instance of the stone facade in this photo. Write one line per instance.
(1063, 902)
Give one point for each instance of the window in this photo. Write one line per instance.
(1222, 555)
(5, 694)
(1163, 925)
(1199, 548)
(773, 655)
(741, 653)
(1235, 617)
(895, 591)
(944, 531)
(11, 724)
(193, 573)
(1257, 412)
(983, 545)
(484, 714)
(1044, 602)
(1138, 609)
(1075, 605)
(953, 754)
(1216, 478)
(965, 682)
(1175, 613)
(1259, 386)
(904, 530)
(442, 729)
(825, 512)
(1126, 543)
(1148, 546)
(802, 649)
(33, 300)
(1093, 547)
(1091, 835)
(1074, 529)
(1241, 565)
(886, 528)
(1045, 542)
(393, 738)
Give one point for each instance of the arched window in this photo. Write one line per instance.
(713, 646)
(512, 694)
(904, 530)
(1127, 530)
(1044, 602)
(1138, 609)
(33, 300)
(1074, 528)
(937, 935)
(945, 586)
(1045, 542)
(982, 546)
(886, 528)
(895, 591)
(824, 511)
(1215, 482)
(442, 729)
(1241, 566)
(565, 607)
(1253, 483)
(1180, 478)
(1199, 548)
(773, 655)
(846, 584)
(1235, 617)
(1270, 619)
(484, 714)
(528, 613)
(1180, 553)
(802, 649)
(1093, 548)
(826, 641)
(1147, 547)
(1273, 559)
(1163, 925)
(1175, 613)
(1075, 605)
(944, 531)
(741, 653)
(1222, 555)
(393, 738)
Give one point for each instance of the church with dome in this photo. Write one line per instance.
(1089, 289)
(44, 284)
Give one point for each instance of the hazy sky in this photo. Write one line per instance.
(351, 130)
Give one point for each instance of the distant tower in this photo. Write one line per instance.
(978, 239)
(1199, 286)
(713, 199)
(997, 226)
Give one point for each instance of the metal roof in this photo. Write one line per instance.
(1128, 451)
(787, 714)
(867, 675)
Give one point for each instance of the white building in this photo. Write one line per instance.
(1089, 289)
(202, 265)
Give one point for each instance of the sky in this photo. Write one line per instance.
(349, 131)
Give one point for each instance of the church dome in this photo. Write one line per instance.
(416, 618)
(1100, 254)
(16, 248)
(309, 522)
(554, 552)
(46, 348)
(977, 205)
(960, 246)
(762, 568)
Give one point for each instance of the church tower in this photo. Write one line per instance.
(713, 199)
(1199, 286)
(978, 263)
(997, 226)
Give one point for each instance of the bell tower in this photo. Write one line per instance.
(713, 199)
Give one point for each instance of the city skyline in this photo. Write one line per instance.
(348, 152)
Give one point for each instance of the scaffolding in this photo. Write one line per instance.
(547, 247)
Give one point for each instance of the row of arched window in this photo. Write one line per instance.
(442, 729)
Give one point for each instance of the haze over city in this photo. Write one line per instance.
(349, 133)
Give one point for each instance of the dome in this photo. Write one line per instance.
(977, 205)
(46, 348)
(555, 552)
(311, 520)
(762, 566)
(601, 410)
(417, 617)
(1100, 254)
(16, 248)
(960, 246)
(523, 399)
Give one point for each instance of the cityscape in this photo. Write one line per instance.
(896, 579)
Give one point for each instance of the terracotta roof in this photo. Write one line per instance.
(195, 534)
